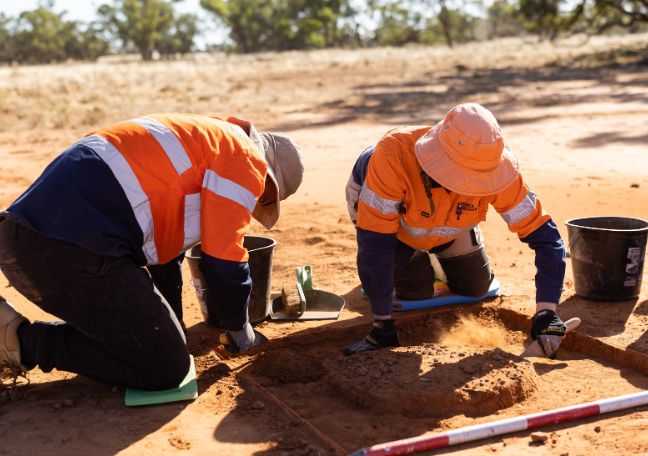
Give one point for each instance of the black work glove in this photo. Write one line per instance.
(383, 334)
(548, 329)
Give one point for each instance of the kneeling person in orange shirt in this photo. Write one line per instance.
(98, 241)
(423, 190)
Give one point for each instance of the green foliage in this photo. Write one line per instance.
(42, 36)
(455, 25)
(138, 23)
(6, 39)
(416, 21)
(548, 18)
(282, 24)
(398, 23)
(180, 38)
(87, 44)
(542, 17)
(248, 22)
(150, 26)
(602, 15)
(502, 20)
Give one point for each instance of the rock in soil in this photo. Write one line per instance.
(258, 405)
(539, 437)
(180, 443)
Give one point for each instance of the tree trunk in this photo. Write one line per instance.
(444, 18)
(239, 36)
(147, 54)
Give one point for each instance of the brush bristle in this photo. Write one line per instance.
(291, 300)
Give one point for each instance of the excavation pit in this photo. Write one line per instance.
(435, 380)
(455, 367)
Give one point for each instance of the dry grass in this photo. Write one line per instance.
(270, 88)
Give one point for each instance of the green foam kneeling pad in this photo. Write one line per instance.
(186, 391)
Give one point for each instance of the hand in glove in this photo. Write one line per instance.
(242, 340)
(548, 329)
(383, 334)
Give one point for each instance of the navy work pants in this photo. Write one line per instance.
(117, 328)
(463, 260)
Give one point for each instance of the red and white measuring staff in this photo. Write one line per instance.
(505, 426)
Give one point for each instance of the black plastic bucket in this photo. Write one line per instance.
(607, 255)
(260, 251)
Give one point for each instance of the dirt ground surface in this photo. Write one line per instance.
(575, 114)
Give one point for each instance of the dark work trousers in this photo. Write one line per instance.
(116, 327)
(167, 278)
(464, 262)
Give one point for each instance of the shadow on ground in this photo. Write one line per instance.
(69, 416)
(641, 344)
(424, 99)
(600, 318)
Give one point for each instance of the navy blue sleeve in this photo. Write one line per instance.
(376, 268)
(359, 171)
(229, 284)
(77, 199)
(549, 260)
(167, 278)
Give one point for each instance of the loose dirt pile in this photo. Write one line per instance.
(434, 380)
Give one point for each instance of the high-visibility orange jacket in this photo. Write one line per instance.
(390, 197)
(394, 199)
(188, 178)
(152, 187)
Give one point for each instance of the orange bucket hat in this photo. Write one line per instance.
(465, 152)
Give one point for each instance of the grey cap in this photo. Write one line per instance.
(285, 169)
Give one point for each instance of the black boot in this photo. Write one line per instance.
(382, 335)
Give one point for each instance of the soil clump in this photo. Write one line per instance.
(435, 380)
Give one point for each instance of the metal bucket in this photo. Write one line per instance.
(260, 261)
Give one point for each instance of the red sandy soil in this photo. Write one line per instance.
(579, 130)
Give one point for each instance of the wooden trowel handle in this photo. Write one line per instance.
(572, 324)
(534, 349)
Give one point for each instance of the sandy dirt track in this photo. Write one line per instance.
(576, 118)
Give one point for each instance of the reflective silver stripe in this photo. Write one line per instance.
(191, 221)
(172, 315)
(440, 231)
(239, 131)
(130, 184)
(523, 209)
(386, 206)
(229, 189)
(168, 141)
(352, 196)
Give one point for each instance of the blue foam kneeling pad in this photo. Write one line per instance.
(186, 391)
(445, 300)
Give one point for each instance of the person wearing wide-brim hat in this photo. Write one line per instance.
(98, 241)
(424, 190)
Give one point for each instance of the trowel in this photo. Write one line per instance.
(535, 349)
(317, 304)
